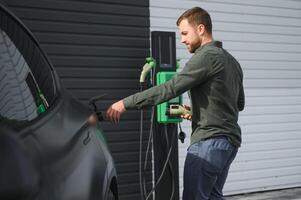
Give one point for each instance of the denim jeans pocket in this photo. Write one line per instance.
(221, 153)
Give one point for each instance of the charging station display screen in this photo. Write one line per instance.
(165, 47)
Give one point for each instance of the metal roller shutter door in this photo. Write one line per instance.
(265, 37)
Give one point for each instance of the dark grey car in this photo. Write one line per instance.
(48, 147)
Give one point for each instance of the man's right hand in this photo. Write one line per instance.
(114, 111)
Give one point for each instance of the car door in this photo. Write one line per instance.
(50, 124)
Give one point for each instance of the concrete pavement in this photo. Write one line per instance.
(284, 194)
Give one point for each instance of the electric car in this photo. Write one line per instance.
(51, 145)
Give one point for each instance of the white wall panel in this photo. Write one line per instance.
(265, 37)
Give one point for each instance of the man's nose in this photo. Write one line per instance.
(183, 40)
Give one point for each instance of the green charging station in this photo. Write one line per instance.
(163, 45)
(164, 57)
(162, 108)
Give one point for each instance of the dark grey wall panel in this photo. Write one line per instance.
(98, 47)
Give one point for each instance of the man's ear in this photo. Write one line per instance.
(201, 29)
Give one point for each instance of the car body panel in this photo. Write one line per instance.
(66, 154)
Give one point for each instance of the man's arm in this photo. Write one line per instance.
(196, 71)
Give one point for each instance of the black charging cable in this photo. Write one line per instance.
(170, 165)
(163, 170)
(142, 174)
(150, 137)
(182, 134)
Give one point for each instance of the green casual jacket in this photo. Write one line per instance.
(214, 81)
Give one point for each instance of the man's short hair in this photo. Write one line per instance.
(197, 16)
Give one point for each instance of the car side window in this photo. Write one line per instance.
(27, 87)
(19, 92)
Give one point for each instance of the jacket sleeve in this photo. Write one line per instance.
(195, 72)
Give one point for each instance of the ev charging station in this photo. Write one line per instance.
(165, 131)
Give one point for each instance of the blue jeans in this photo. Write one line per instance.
(206, 168)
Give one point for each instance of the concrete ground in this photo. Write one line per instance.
(285, 194)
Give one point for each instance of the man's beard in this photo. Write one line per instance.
(191, 49)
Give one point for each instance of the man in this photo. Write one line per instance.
(214, 81)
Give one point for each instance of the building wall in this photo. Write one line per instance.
(98, 47)
(265, 38)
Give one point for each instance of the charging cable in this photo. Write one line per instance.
(170, 164)
(150, 137)
(163, 170)
(150, 63)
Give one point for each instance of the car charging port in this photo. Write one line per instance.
(98, 113)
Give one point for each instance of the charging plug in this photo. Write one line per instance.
(177, 110)
(182, 136)
(150, 63)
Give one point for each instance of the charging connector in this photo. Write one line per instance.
(150, 63)
(177, 110)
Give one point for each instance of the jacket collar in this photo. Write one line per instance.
(213, 43)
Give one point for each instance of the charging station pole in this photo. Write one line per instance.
(165, 129)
